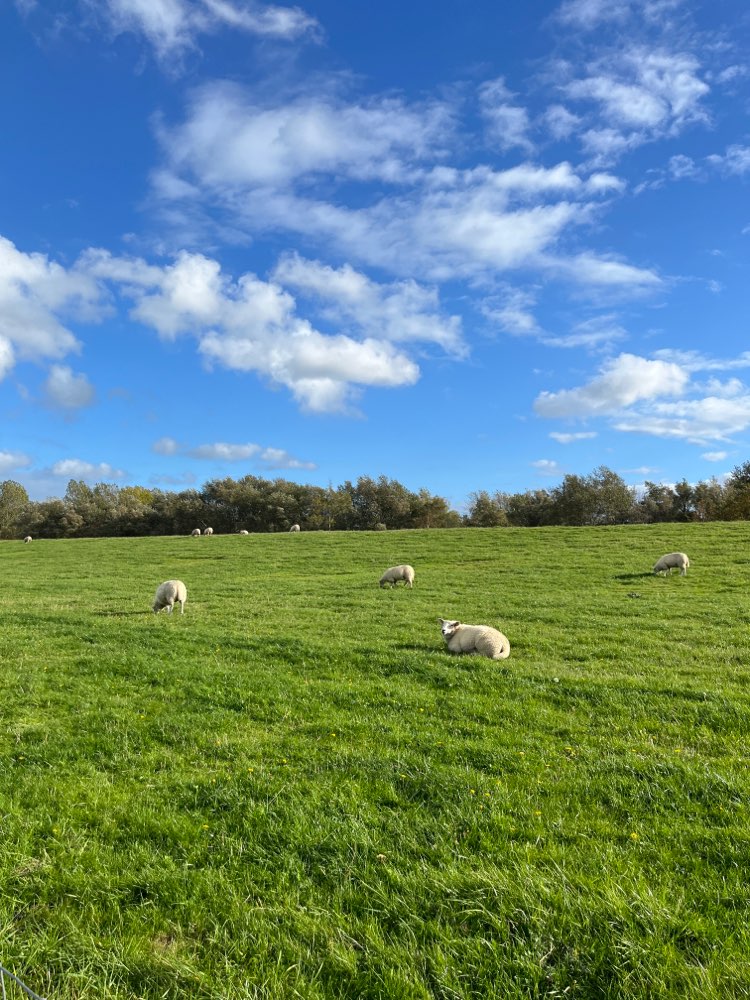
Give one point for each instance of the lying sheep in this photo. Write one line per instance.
(208, 531)
(295, 527)
(396, 573)
(671, 561)
(482, 639)
(195, 532)
(27, 539)
(167, 594)
(243, 532)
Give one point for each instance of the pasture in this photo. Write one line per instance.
(293, 790)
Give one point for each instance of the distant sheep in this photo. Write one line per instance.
(482, 639)
(243, 532)
(673, 560)
(208, 531)
(295, 527)
(27, 539)
(169, 593)
(195, 532)
(396, 573)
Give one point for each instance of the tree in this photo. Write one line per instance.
(14, 501)
(485, 511)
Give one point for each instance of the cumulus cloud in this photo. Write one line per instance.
(77, 468)
(735, 160)
(35, 293)
(252, 325)
(638, 96)
(398, 311)
(698, 421)
(10, 460)
(624, 380)
(67, 390)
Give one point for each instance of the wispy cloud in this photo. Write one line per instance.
(222, 451)
(66, 390)
(569, 438)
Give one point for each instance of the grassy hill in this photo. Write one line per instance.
(293, 790)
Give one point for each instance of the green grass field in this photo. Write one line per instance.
(293, 790)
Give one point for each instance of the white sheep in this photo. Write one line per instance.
(295, 527)
(396, 573)
(167, 594)
(27, 539)
(244, 532)
(673, 560)
(208, 531)
(195, 533)
(482, 639)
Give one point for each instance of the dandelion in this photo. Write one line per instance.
(537, 812)
(205, 826)
(472, 791)
(634, 835)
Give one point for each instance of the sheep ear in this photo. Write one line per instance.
(442, 620)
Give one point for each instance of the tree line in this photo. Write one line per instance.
(264, 505)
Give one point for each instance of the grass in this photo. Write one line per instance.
(294, 791)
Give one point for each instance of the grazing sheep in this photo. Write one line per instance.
(208, 531)
(295, 527)
(671, 561)
(396, 573)
(243, 532)
(482, 639)
(167, 594)
(195, 532)
(27, 539)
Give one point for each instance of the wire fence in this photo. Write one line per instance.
(6, 973)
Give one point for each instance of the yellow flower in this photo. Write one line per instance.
(634, 835)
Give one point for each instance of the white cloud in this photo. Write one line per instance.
(67, 390)
(623, 381)
(253, 326)
(560, 121)
(562, 438)
(399, 311)
(714, 456)
(13, 460)
(698, 421)
(34, 293)
(173, 26)
(642, 95)
(231, 142)
(221, 452)
(589, 14)
(513, 313)
(593, 333)
(76, 468)
(607, 272)
(507, 123)
(165, 446)
(547, 467)
(736, 160)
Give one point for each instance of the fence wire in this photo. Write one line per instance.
(6, 972)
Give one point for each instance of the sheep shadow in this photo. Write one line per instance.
(633, 576)
(121, 614)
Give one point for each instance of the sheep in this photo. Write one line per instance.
(166, 595)
(195, 533)
(295, 527)
(482, 639)
(208, 531)
(243, 532)
(27, 539)
(396, 573)
(672, 560)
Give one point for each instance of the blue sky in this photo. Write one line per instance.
(471, 246)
